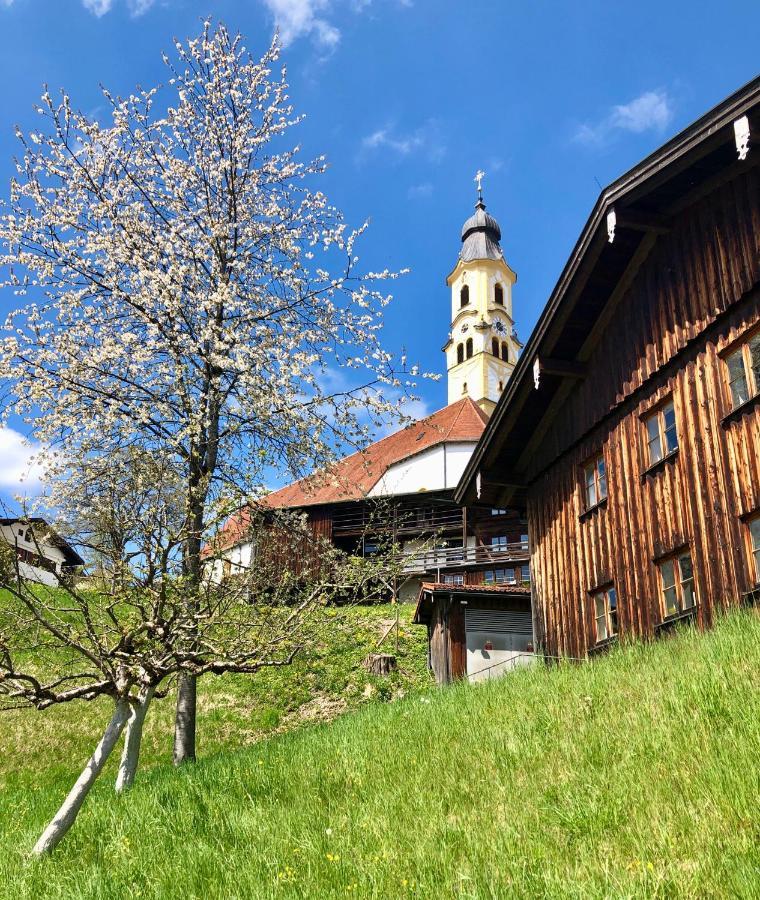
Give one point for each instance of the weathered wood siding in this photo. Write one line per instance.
(693, 297)
(694, 274)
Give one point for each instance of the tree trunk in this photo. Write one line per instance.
(131, 754)
(64, 818)
(380, 663)
(184, 721)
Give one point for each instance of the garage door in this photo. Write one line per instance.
(497, 641)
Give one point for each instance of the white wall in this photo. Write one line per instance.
(10, 534)
(434, 469)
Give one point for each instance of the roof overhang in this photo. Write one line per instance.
(643, 200)
(430, 593)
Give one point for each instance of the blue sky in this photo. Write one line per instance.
(407, 98)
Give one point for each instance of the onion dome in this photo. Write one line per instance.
(480, 236)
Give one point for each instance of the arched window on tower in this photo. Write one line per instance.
(498, 294)
(460, 353)
(469, 347)
(495, 346)
(505, 351)
(464, 296)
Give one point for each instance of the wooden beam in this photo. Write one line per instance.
(565, 368)
(637, 220)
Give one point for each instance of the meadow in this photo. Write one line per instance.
(633, 775)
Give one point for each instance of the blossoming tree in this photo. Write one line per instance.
(188, 292)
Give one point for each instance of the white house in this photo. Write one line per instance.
(43, 556)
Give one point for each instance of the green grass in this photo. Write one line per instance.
(635, 775)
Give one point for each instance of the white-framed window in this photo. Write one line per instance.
(743, 368)
(595, 481)
(454, 578)
(605, 613)
(677, 585)
(499, 543)
(525, 573)
(498, 512)
(754, 545)
(661, 432)
(500, 576)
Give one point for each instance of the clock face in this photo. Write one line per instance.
(500, 327)
(465, 327)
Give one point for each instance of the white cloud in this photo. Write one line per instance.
(302, 18)
(426, 140)
(101, 7)
(420, 191)
(651, 111)
(18, 470)
(98, 7)
(6, 3)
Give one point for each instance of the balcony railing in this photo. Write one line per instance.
(400, 519)
(414, 562)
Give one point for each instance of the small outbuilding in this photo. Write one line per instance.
(475, 631)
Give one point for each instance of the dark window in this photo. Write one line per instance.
(677, 583)
(469, 347)
(754, 544)
(743, 366)
(464, 296)
(504, 351)
(662, 435)
(605, 614)
(499, 576)
(498, 293)
(460, 353)
(595, 481)
(495, 346)
(525, 572)
(456, 578)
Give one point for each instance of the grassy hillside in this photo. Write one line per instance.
(635, 775)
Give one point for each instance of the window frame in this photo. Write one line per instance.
(609, 613)
(504, 351)
(675, 563)
(464, 296)
(754, 549)
(657, 415)
(468, 348)
(460, 353)
(591, 467)
(498, 294)
(751, 377)
(499, 543)
(495, 347)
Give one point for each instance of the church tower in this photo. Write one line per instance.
(482, 348)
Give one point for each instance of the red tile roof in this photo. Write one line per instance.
(422, 615)
(354, 476)
(433, 587)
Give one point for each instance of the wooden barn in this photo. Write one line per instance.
(630, 428)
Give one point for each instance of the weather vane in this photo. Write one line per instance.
(479, 176)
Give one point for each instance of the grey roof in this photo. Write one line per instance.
(480, 236)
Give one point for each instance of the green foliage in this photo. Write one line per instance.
(633, 776)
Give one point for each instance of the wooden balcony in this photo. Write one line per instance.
(398, 520)
(418, 562)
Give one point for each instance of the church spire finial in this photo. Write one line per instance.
(479, 176)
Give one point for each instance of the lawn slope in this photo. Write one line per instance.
(635, 775)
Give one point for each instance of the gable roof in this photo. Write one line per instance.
(642, 199)
(354, 476)
(48, 537)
